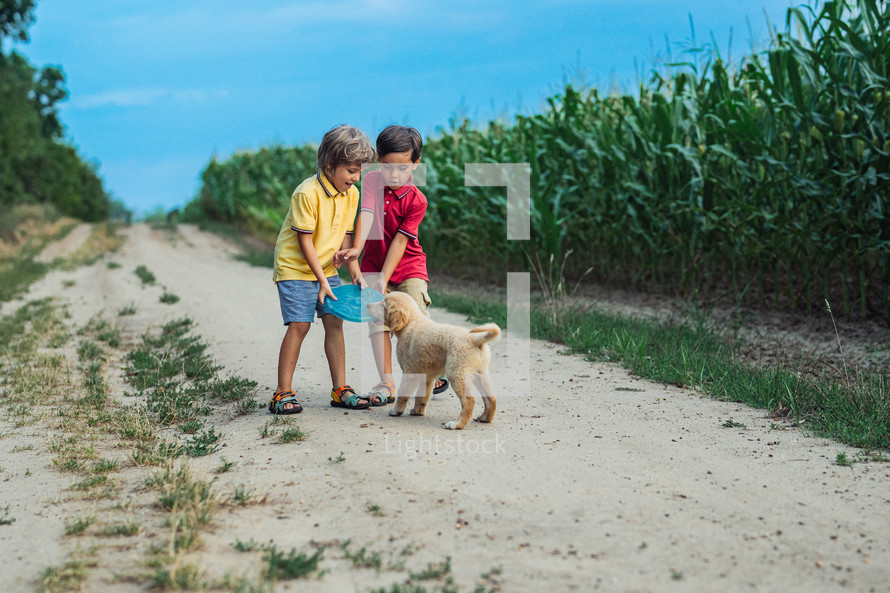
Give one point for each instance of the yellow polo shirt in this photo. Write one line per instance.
(317, 209)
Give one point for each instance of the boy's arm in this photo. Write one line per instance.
(352, 266)
(393, 257)
(308, 248)
(362, 229)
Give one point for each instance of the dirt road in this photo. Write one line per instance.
(588, 480)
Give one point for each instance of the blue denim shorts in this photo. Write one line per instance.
(299, 299)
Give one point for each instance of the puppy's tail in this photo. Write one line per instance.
(484, 334)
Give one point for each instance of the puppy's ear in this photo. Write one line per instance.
(396, 316)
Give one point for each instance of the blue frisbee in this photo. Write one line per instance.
(352, 302)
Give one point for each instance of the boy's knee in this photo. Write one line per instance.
(331, 321)
(298, 328)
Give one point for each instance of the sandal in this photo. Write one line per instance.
(441, 387)
(383, 392)
(339, 399)
(279, 400)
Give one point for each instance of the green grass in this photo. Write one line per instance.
(291, 434)
(90, 482)
(169, 298)
(176, 378)
(853, 409)
(83, 419)
(79, 525)
(189, 501)
(224, 466)
(291, 565)
(14, 279)
(128, 310)
(361, 558)
(249, 546)
(18, 270)
(186, 577)
(203, 443)
(434, 570)
(6, 519)
(241, 495)
(120, 530)
(145, 275)
(67, 577)
(843, 460)
(90, 351)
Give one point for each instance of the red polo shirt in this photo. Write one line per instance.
(395, 211)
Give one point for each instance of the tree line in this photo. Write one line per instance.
(37, 164)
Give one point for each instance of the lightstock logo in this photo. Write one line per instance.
(516, 177)
(461, 444)
(510, 373)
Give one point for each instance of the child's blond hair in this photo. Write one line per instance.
(341, 145)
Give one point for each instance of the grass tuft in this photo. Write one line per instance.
(146, 276)
(291, 565)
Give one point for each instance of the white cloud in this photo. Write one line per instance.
(144, 97)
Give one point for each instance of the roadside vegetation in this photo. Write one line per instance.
(850, 405)
(27, 229)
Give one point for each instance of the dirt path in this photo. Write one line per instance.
(588, 480)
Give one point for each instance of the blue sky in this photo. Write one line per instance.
(159, 87)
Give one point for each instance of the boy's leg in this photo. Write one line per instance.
(381, 348)
(381, 345)
(297, 299)
(335, 351)
(418, 289)
(288, 356)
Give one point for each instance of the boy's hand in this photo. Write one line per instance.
(324, 289)
(380, 285)
(344, 256)
(359, 280)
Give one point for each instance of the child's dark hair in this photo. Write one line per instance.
(399, 139)
(341, 145)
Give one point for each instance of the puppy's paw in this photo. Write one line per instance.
(453, 425)
(395, 412)
(417, 412)
(482, 418)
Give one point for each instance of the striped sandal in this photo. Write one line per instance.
(279, 400)
(384, 393)
(340, 399)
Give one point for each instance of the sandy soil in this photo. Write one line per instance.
(589, 479)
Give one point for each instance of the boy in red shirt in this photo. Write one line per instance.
(387, 229)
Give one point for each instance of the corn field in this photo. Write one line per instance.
(765, 182)
(252, 189)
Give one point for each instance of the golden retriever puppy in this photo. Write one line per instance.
(427, 350)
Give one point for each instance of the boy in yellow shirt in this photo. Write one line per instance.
(319, 223)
